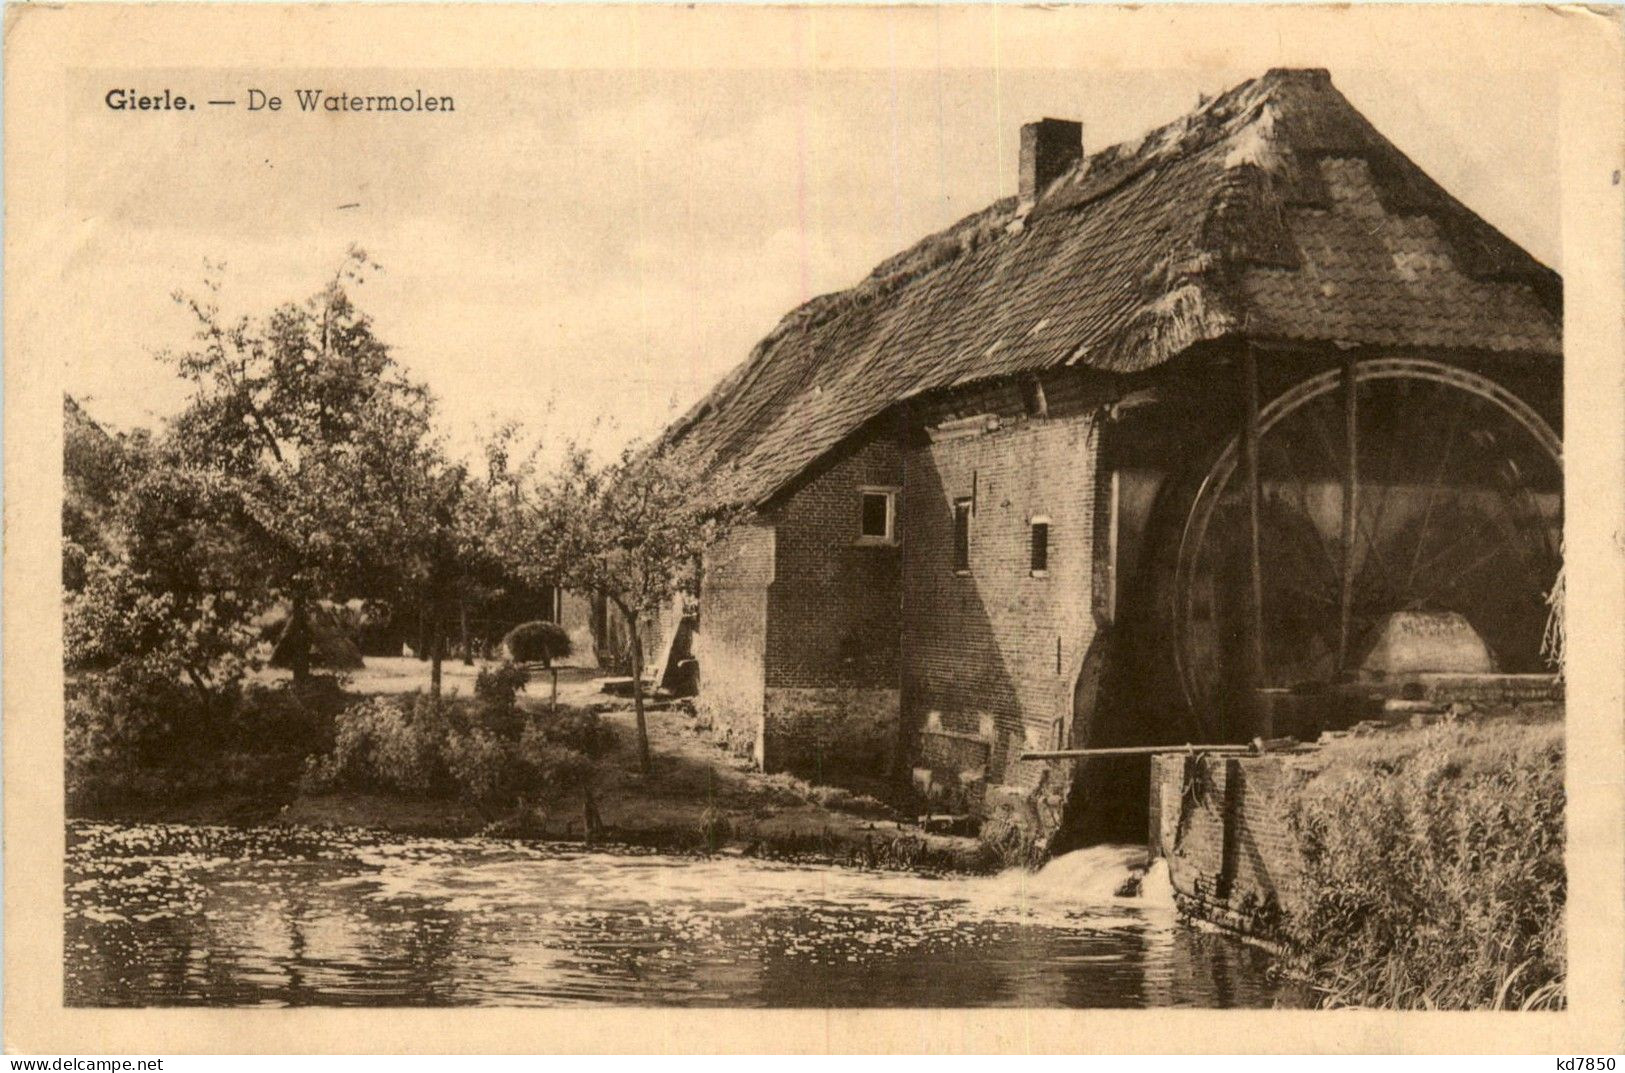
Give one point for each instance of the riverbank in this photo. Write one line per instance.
(1413, 867)
(698, 797)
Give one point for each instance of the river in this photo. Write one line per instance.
(213, 916)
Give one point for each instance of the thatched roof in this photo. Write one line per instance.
(1275, 209)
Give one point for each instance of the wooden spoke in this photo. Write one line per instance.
(1435, 485)
(1460, 575)
(1448, 491)
(1302, 483)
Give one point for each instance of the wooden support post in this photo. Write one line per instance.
(1253, 706)
(1113, 520)
(1351, 491)
(462, 625)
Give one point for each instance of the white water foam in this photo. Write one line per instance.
(1098, 887)
(1092, 876)
(1157, 887)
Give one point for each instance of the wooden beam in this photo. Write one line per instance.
(1133, 750)
(1255, 509)
(1351, 492)
(1113, 520)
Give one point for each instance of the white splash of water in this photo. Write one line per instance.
(1085, 876)
(1157, 887)
(1094, 884)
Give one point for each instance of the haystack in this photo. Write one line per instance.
(331, 647)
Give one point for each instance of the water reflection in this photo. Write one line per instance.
(214, 916)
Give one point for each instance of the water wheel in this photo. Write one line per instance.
(1424, 488)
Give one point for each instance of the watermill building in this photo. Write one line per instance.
(1175, 437)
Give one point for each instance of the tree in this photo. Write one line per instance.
(98, 467)
(446, 549)
(632, 531)
(153, 565)
(320, 435)
(119, 620)
(537, 642)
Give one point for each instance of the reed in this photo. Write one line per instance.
(1433, 869)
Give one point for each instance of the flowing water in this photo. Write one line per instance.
(219, 916)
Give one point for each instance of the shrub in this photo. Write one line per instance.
(576, 729)
(486, 769)
(132, 735)
(537, 642)
(118, 620)
(408, 747)
(496, 692)
(1433, 868)
(120, 726)
(287, 718)
(386, 743)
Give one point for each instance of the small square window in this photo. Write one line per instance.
(962, 536)
(1040, 547)
(877, 520)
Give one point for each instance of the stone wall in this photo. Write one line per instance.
(732, 636)
(1221, 822)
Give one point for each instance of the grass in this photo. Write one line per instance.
(1433, 868)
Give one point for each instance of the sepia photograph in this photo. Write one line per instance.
(808, 535)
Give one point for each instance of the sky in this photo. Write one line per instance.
(589, 251)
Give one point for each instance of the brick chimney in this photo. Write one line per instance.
(1049, 148)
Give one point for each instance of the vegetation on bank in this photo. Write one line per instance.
(485, 750)
(1433, 868)
(137, 741)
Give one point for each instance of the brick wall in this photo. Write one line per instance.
(799, 625)
(1222, 824)
(995, 651)
(833, 609)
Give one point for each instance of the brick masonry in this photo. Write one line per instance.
(994, 651)
(835, 600)
(1221, 822)
(811, 637)
(799, 625)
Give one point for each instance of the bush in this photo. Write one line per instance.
(537, 642)
(575, 729)
(386, 743)
(496, 692)
(404, 746)
(485, 769)
(121, 725)
(288, 718)
(554, 757)
(1433, 869)
(133, 736)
